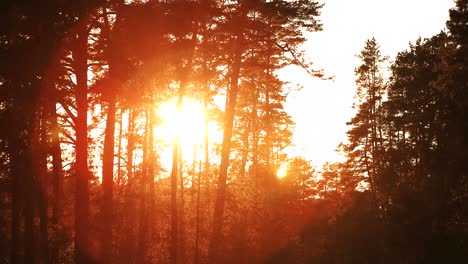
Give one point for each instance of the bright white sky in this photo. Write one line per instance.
(322, 108)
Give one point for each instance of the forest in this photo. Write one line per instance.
(89, 87)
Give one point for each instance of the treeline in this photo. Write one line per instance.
(80, 166)
(406, 155)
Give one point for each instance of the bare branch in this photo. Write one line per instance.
(312, 73)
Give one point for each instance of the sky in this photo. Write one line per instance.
(322, 108)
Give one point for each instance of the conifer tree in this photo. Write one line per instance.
(365, 147)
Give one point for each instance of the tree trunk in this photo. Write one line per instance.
(255, 133)
(207, 166)
(182, 210)
(141, 248)
(175, 158)
(42, 184)
(151, 170)
(108, 178)
(130, 201)
(197, 217)
(57, 177)
(245, 150)
(231, 99)
(119, 151)
(130, 147)
(82, 177)
(108, 156)
(174, 225)
(267, 121)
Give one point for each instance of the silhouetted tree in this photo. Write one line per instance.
(365, 147)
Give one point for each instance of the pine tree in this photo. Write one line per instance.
(365, 147)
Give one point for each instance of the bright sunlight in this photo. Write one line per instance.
(188, 126)
(282, 170)
(186, 123)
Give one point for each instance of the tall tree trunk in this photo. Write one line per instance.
(255, 139)
(206, 175)
(175, 158)
(33, 186)
(268, 120)
(130, 146)
(151, 170)
(57, 177)
(207, 140)
(245, 149)
(43, 192)
(231, 100)
(174, 173)
(197, 217)
(255, 132)
(130, 201)
(141, 248)
(182, 210)
(108, 155)
(119, 151)
(108, 178)
(82, 178)
(174, 225)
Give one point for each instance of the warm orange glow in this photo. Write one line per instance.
(282, 170)
(186, 124)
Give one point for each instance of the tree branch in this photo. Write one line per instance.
(312, 73)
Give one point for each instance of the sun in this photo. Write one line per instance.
(185, 124)
(282, 171)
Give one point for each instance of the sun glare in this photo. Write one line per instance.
(186, 124)
(282, 170)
